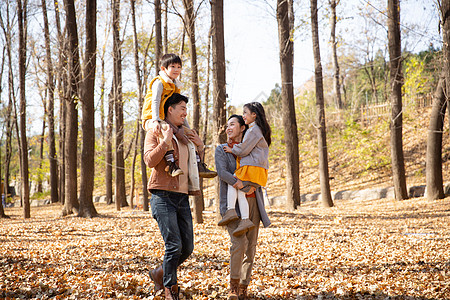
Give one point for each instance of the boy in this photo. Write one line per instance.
(159, 90)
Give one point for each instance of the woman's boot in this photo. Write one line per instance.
(234, 289)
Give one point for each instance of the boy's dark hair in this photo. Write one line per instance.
(261, 120)
(174, 100)
(169, 59)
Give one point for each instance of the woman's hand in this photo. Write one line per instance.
(227, 149)
(238, 184)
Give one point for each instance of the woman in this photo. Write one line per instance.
(243, 247)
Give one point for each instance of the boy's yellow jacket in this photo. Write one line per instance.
(169, 89)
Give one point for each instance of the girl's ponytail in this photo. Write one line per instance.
(261, 119)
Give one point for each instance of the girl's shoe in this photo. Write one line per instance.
(228, 217)
(244, 226)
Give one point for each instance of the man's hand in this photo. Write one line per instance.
(227, 149)
(167, 134)
(251, 191)
(193, 137)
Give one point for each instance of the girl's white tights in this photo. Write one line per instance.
(243, 204)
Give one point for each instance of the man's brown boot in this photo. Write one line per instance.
(243, 291)
(157, 277)
(172, 293)
(234, 289)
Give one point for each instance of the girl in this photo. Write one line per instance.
(252, 164)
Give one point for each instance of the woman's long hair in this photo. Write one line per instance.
(261, 120)
(241, 122)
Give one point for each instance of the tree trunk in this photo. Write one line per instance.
(3, 183)
(288, 107)
(71, 204)
(206, 104)
(50, 110)
(141, 102)
(336, 76)
(108, 149)
(158, 35)
(190, 29)
(62, 84)
(10, 117)
(219, 81)
(87, 208)
(41, 150)
(120, 193)
(395, 53)
(22, 22)
(434, 177)
(165, 28)
(320, 105)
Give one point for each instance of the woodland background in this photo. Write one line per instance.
(73, 76)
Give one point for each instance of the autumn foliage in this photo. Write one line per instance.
(357, 250)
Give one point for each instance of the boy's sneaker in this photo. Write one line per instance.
(229, 216)
(173, 169)
(244, 226)
(204, 172)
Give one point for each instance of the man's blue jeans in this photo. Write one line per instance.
(173, 214)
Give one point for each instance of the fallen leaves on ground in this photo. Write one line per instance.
(358, 250)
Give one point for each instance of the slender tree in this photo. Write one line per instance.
(10, 116)
(287, 101)
(87, 208)
(189, 23)
(165, 27)
(141, 102)
(320, 105)
(108, 148)
(336, 78)
(206, 102)
(118, 108)
(158, 35)
(219, 81)
(22, 23)
(395, 54)
(63, 93)
(50, 110)
(434, 176)
(71, 204)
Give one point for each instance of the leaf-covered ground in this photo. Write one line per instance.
(358, 250)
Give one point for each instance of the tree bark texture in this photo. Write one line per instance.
(141, 102)
(165, 28)
(434, 177)
(320, 106)
(288, 107)
(118, 108)
(87, 208)
(219, 81)
(190, 29)
(22, 17)
(50, 111)
(158, 35)
(334, 57)
(71, 204)
(206, 104)
(62, 84)
(108, 148)
(395, 54)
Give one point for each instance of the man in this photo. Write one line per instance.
(243, 247)
(170, 200)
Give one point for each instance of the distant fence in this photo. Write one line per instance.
(370, 113)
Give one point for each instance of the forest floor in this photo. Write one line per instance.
(382, 249)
